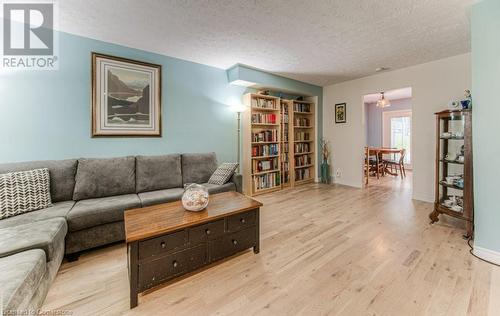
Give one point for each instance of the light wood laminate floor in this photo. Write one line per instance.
(325, 249)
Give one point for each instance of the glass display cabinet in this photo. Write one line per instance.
(454, 181)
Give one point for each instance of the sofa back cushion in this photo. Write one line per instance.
(158, 172)
(62, 175)
(197, 168)
(100, 177)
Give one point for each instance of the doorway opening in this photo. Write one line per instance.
(388, 138)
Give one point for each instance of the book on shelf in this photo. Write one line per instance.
(264, 150)
(302, 107)
(285, 176)
(302, 136)
(263, 103)
(302, 174)
(285, 166)
(267, 181)
(263, 118)
(264, 165)
(265, 136)
(285, 148)
(303, 160)
(284, 136)
(285, 118)
(302, 121)
(302, 148)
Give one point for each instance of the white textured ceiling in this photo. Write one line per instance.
(315, 41)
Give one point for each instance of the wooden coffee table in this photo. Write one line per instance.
(165, 241)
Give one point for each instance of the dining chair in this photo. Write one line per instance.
(397, 163)
(366, 165)
(374, 163)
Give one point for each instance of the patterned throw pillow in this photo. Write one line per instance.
(24, 191)
(223, 173)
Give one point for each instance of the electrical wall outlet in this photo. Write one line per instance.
(338, 173)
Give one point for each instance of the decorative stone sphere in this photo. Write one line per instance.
(195, 197)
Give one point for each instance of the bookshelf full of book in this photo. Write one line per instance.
(303, 142)
(285, 143)
(278, 143)
(261, 144)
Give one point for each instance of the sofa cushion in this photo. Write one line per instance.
(215, 188)
(59, 209)
(20, 275)
(45, 235)
(104, 177)
(24, 191)
(93, 212)
(62, 175)
(160, 196)
(158, 172)
(197, 168)
(223, 173)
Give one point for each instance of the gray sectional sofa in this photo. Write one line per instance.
(89, 197)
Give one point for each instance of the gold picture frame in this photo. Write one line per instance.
(126, 97)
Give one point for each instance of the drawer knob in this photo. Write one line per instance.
(175, 264)
(207, 231)
(163, 245)
(242, 221)
(235, 242)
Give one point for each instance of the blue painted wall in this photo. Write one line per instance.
(486, 127)
(46, 114)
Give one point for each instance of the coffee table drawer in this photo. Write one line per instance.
(156, 271)
(206, 232)
(241, 221)
(163, 244)
(233, 243)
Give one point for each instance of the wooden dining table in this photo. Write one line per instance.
(378, 152)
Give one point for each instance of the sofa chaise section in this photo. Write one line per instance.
(26, 276)
(47, 235)
(20, 276)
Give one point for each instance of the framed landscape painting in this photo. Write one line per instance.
(126, 97)
(340, 113)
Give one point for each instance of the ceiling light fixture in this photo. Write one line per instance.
(383, 102)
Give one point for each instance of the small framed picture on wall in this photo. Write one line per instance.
(340, 113)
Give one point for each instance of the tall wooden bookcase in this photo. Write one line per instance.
(285, 149)
(261, 144)
(303, 142)
(278, 143)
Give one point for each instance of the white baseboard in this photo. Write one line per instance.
(423, 197)
(487, 254)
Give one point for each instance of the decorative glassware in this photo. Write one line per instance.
(195, 197)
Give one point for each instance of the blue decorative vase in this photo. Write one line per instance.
(325, 172)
